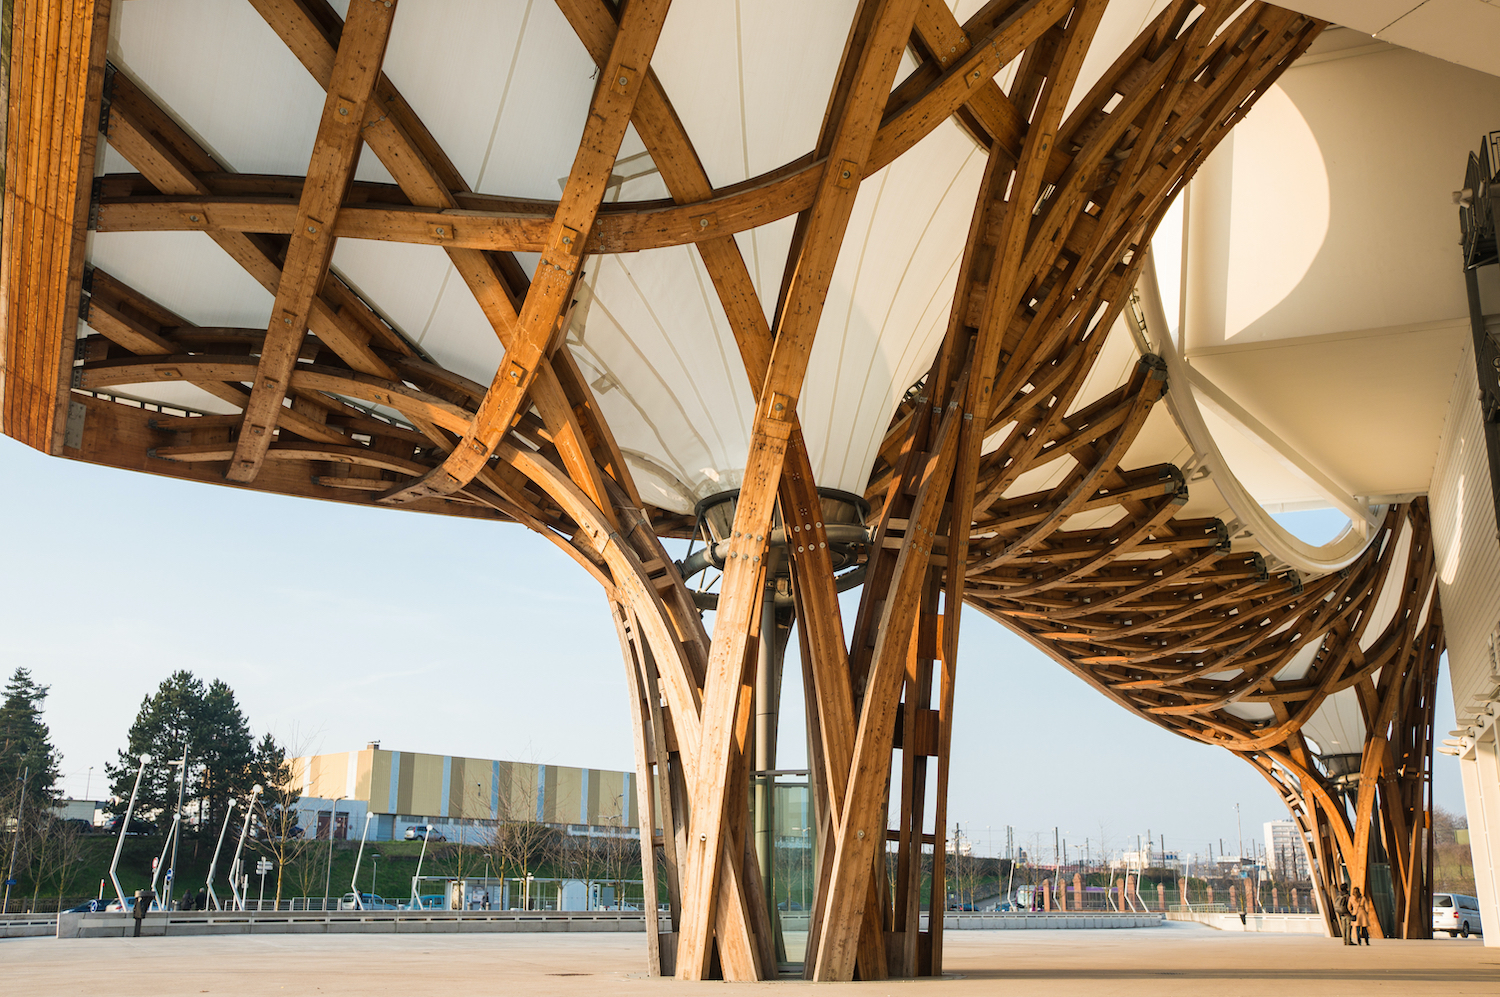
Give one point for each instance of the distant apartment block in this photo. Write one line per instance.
(1286, 853)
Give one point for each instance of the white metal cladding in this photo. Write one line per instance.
(1463, 532)
(1468, 563)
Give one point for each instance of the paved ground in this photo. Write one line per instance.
(1176, 959)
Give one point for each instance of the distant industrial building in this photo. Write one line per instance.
(1286, 852)
(460, 798)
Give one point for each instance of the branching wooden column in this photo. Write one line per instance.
(1367, 814)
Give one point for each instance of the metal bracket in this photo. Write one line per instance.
(107, 96)
(85, 294)
(96, 191)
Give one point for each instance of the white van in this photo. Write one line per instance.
(1455, 914)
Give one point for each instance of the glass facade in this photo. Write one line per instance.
(792, 866)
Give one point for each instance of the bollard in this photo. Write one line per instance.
(143, 901)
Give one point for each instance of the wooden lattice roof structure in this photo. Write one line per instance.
(284, 279)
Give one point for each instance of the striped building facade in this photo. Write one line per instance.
(408, 787)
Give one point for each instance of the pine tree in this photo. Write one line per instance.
(26, 743)
(226, 750)
(209, 722)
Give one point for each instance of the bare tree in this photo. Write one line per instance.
(51, 850)
(1453, 863)
(517, 847)
(620, 858)
(580, 857)
(963, 872)
(462, 857)
(283, 840)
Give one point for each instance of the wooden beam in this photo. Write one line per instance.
(56, 75)
(870, 61)
(551, 292)
(335, 154)
(860, 833)
(173, 162)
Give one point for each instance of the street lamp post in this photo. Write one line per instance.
(177, 824)
(124, 827)
(234, 867)
(333, 815)
(214, 865)
(416, 898)
(354, 879)
(374, 865)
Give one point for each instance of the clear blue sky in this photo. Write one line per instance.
(337, 625)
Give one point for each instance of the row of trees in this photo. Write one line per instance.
(183, 714)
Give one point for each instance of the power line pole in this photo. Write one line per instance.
(10, 875)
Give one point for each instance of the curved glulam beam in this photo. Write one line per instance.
(540, 322)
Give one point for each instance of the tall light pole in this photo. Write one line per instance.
(354, 879)
(333, 814)
(15, 840)
(177, 824)
(374, 866)
(416, 898)
(234, 868)
(124, 827)
(214, 865)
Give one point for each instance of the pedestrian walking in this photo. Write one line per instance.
(1345, 915)
(1360, 906)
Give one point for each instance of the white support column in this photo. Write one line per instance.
(1481, 775)
(1468, 563)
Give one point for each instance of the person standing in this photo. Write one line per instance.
(1360, 906)
(1342, 910)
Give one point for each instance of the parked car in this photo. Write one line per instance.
(428, 901)
(137, 826)
(79, 824)
(114, 905)
(784, 905)
(416, 832)
(1456, 914)
(91, 907)
(367, 901)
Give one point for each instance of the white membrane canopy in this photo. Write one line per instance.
(504, 88)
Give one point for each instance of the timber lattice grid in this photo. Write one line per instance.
(1156, 611)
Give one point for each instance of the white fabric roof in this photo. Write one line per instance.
(1466, 32)
(650, 332)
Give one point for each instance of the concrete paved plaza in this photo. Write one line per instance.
(1186, 959)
